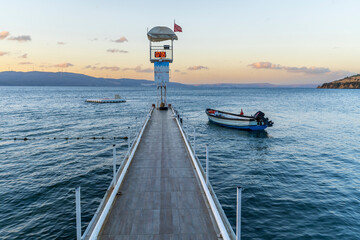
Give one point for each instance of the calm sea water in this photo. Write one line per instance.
(301, 178)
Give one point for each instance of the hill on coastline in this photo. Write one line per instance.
(11, 78)
(35, 78)
(352, 82)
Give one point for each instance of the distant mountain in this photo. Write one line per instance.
(11, 78)
(348, 83)
(257, 85)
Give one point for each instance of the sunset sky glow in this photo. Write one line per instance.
(281, 42)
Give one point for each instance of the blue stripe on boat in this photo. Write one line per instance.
(253, 128)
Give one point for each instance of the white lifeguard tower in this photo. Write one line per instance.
(161, 54)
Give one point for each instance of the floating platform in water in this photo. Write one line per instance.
(105, 100)
(117, 99)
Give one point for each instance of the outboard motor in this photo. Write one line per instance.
(259, 115)
(260, 118)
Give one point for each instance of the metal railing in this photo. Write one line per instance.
(205, 176)
(118, 175)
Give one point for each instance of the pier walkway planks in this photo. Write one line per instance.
(161, 197)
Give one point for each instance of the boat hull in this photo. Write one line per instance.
(248, 127)
(244, 125)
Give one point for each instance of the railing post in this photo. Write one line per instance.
(114, 164)
(78, 213)
(238, 214)
(129, 138)
(137, 129)
(207, 165)
(194, 141)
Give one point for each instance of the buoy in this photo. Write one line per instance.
(241, 113)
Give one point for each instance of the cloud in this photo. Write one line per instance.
(25, 63)
(110, 68)
(90, 67)
(194, 68)
(23, 56)
(23, 38)
(145, 70)
(121, 40)
(268, 65)
(3, 53)
(340, 74)
(116, 51)
(94, 39)
(3, 34)
(178, 71)
(113, 68)
(305, 70)
(61, 43)
(44, 65)
(139, 69)
(63, 65)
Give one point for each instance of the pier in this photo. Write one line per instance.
(160, 190)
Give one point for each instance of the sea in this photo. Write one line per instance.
(300, 178)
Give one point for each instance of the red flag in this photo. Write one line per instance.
(177, 28)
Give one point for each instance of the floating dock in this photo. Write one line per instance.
(106, 100)
(117, 99)
(160, 190)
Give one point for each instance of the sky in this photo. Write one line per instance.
(278, 42)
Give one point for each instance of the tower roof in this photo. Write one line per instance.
(160, 33)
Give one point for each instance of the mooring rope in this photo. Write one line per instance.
(61, 138)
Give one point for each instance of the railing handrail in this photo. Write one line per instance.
(111, 189)
(223, 222)
(218, 204)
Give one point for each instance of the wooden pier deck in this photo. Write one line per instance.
(160, 191)
(161, 197)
